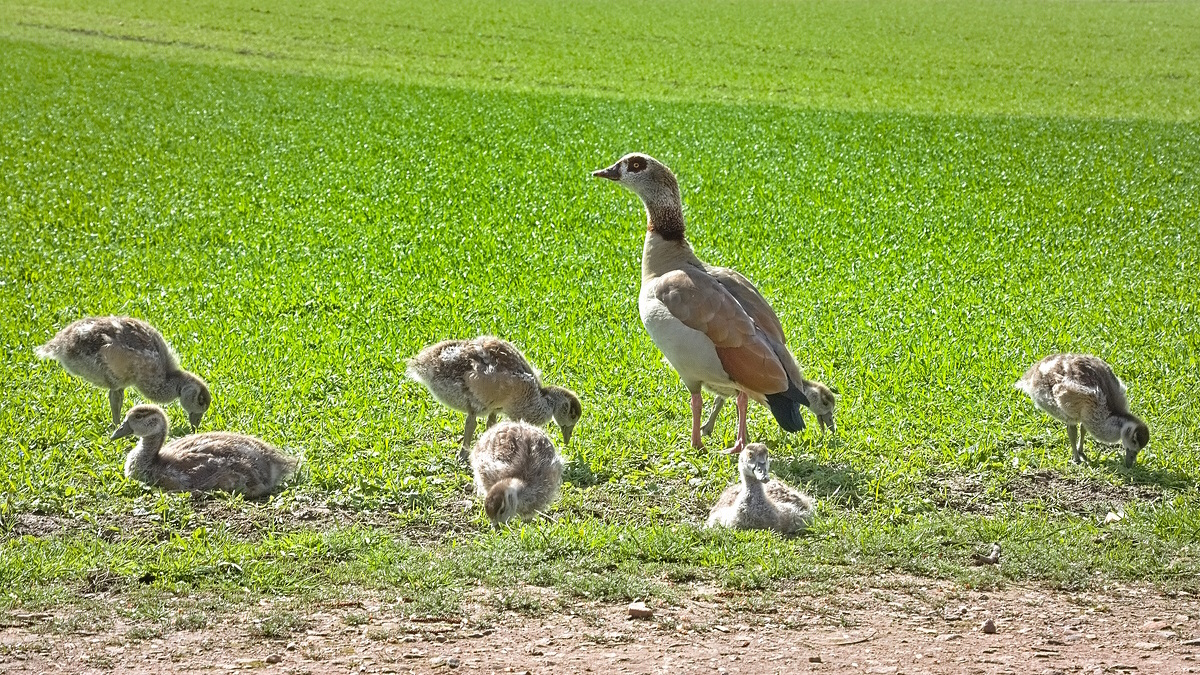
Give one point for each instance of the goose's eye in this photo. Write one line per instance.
(637, 164)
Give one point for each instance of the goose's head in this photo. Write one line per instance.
(141, 421)
(500, 504)
(649, 178)
(194, 397)
(1135, 435)
(755, 463)
(567, 410)
(821, 400)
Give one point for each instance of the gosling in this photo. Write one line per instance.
(488, 375)
(821, 401)
(201, 462)
(115, 352)
(1082, 392)
(759, 503)
(517, 471)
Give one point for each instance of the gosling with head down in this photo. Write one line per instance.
(115, 352)
(201, 462)
(1082, 392)
(488, 376)
(518, 472)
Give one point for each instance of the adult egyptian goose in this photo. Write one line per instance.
(1082, 391)
(487, 376)
(201, 462)
(821, 400)
(517, 470)
(711, 323)
(757, 502)
(115, 352)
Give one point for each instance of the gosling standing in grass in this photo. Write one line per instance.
(487, 376)
(517, 471)
(115, 352)
(759, 503)
(201, 462)
(1082, 391)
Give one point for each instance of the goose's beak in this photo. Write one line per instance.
(195, 418)
(121, 432)
(612, 173)
(760, 472)
(566, 432)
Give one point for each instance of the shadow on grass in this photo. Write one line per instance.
(1144, 475)
(836, 483)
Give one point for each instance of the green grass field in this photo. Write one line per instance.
(300, 196)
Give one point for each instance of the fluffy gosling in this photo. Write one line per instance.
(759, 503)
(115, 352)
(1082, 392)
(201, 462)
(487, 376)
(517, 471)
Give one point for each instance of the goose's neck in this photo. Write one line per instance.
(164, 388)
(1108, 429)
(141, 458)
(536, 407)
(664, 214)
(752, 486)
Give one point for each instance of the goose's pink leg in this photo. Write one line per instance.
(697, 409)
(743, 402)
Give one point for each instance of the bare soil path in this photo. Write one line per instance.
(897, 624)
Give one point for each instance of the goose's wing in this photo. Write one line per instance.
(226, 462)
(751, 300)
(1076, 399)
(498, 371)
(702, 303)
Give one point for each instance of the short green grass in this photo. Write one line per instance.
(933, 196)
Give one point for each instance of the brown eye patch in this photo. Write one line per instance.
(637, 164)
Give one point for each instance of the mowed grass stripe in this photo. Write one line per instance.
(1076, 59)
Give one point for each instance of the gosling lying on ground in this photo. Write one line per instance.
(759, 503)
(115, 352)
(201, 462)
(517, 471)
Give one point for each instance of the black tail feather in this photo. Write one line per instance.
(785, 406)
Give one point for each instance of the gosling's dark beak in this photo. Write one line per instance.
(1130, 458)
(567, 431)
(760, 472)
(195, 418)
(612, 173)
(121, 432)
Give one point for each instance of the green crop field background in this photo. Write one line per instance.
(302, 195)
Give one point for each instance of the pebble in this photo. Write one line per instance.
(1147, 646)
(989, 627)
(274, 658)
(639, 610)
(815, 659)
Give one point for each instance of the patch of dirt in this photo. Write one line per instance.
(1078, 495)
(36, 525)
(894, 624)
(968, 493)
